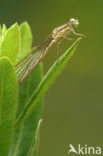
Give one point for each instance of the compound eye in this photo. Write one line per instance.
(72, 20)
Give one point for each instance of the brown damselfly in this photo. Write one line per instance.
(25, 67)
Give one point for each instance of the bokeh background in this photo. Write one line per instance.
(73, 109)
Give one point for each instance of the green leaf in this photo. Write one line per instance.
(0, 31)
(26, 41)
(10, 43)
(8, 104)
(35, 144)
(25, 135)
(0, 34)
(46, 82)
(4, 29)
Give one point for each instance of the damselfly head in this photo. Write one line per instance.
(74, 22)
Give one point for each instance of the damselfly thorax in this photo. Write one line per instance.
(61, 31)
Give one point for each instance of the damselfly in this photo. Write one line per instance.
(25, 67)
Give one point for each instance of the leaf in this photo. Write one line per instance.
(4, 29)
(25, 135)
(8, 104)
(0, 34)
(35, 144)
(46, 82)
(0, 30)
(10, 43)
(26, 41)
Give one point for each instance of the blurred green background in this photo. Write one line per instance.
(73, 110)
